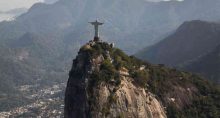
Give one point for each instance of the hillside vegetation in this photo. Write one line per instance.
(182, 94)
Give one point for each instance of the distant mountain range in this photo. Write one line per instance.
(127, 20)
(17, 11)
(207, 65)
(50, 1)
(194, 46)
(11, 14)
(191, 40)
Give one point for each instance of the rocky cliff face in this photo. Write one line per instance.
(126, 100)
(87, 98)
(106, 83)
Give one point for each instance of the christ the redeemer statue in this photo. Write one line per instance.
(96, 26)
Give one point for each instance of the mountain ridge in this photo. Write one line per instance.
(191, 40)
(66, 14)
(207, 65)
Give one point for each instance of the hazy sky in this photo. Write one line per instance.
(6, 5)
(12, 4)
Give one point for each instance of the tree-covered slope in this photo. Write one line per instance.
(101, 70)
(193, 46)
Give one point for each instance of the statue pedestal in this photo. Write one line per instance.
(96, 39)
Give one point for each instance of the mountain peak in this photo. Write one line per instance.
(100, 83)
(191, 40)
(196, 24)
(103, 56)
(105, 82)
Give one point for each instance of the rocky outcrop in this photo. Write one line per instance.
(127, 101)
(84, 99)
(106, 83)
